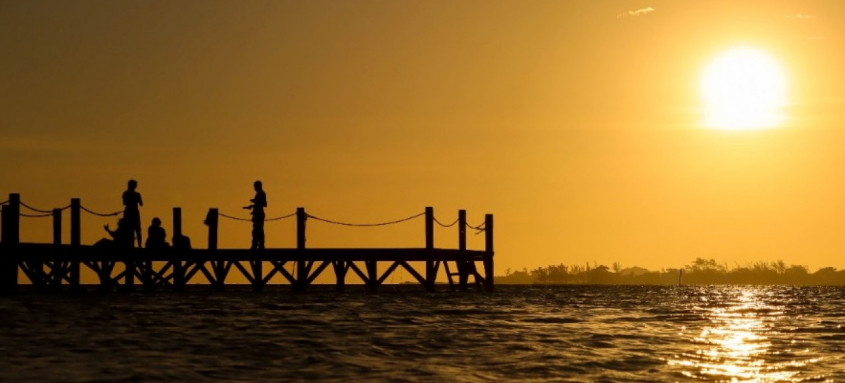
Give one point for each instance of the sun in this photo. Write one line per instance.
(744, 89)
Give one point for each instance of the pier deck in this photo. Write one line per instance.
(58, 266)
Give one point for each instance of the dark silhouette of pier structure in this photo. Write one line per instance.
(56, 266)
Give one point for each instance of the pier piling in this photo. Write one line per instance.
(75, 241)
(488, 252)
(431, 266)
(10, 240)
(302, 266)
(463, 266)
(178, 250)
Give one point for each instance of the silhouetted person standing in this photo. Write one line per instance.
(257, 207)
(131, 201)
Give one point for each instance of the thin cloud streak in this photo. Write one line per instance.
(636, 12)
(802, 16)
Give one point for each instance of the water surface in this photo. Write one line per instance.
(525, 333)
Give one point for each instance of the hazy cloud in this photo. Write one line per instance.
(802, 16)
(636, 12)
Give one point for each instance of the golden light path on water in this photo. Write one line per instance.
(736, 347)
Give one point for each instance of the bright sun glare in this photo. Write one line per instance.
(744, 89)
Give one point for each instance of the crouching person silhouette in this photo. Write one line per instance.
(123, 237)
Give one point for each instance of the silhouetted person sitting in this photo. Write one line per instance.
(132, 200)
(121, 237)
(181, 242)
(257, 207)
(156, 236)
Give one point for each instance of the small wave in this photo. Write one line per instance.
(552, 320)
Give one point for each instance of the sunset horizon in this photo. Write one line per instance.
(586, 130)
(422, 190)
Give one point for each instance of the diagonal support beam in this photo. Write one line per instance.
(388, 272)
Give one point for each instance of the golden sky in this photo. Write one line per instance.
(576, 123)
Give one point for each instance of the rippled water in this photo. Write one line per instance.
(557, 333)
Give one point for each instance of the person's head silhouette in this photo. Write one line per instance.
(133, 184)
(156, 222)
(257, 185)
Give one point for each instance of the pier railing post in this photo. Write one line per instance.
(57, 226)
(75, 240)
(211, 220)
(488, 248)
(5, 249)
(429, 228)
(430, 266)
(178, 252)
(11, 239)
(15, 218)
(301, 265)
(462, 229)
(301, 217)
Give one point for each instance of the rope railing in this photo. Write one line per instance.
(478, 229)
(100, 214)
(280, 218)
(445, 225)
(36, 210)
(6, 202)
(234, 218)
(42, 215)
(250, 220)
(366, 224)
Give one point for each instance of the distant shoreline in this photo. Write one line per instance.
(700, 272)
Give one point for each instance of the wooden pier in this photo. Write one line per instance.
(57, 266)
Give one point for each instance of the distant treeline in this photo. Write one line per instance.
(700, 272)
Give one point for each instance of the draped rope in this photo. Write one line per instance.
(366, 224)
(34, 209)
(444, 225)
(100, 214)
(250, 220)
(478, 229)
(50, 214)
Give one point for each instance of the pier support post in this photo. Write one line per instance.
(11, 239)
(463, 265)
(302, 268)
(75, 241)
(257, 272)
(57, 241)
(372, 275)
(488, 248)
(430, 265)
(178, 251)
(218, 266)
(340, 270)
(129, 275)
(55, 266)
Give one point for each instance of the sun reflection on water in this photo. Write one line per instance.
(736, 346)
